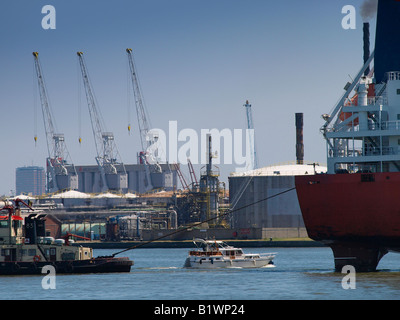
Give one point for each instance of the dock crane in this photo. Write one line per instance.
(58, 175)
(250, 126)
(107, 153)
(146, 156)
(192, 174)
(181, 177)
(254, 160)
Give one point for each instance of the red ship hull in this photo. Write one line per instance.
(357, 215)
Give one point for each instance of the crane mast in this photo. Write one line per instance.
(107, 153)
(57, 172)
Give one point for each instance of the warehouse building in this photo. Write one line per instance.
(90, 181)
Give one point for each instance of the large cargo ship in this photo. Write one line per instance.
(355, 207)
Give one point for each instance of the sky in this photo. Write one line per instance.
(197, 62)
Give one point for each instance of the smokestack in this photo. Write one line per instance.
(299, 139)
(366, 45)
(209, 155)
(387, 40)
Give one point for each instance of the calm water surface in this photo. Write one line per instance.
(158, 274)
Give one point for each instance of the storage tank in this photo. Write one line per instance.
(250, 187)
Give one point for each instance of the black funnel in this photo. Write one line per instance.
(387, 43)
(367, 52)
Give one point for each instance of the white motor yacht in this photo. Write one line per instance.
(212, 254)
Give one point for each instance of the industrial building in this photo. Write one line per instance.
(32, 180)
(282, 211)
(90, 181)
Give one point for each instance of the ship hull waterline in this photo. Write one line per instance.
(356, 215)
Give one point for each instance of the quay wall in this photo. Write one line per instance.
(231, 234)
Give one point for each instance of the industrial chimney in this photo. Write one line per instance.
(366, 45)
(299, 139)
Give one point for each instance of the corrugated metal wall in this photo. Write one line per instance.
(280, 212)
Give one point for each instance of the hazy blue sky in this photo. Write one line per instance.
(198, 62)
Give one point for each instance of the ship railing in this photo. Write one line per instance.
(393, 75)
(359, 152)
(391, 125)
(372, 126)
(384, 125)
(376, 151)
(371, 101)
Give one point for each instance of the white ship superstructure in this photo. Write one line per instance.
(363, 132)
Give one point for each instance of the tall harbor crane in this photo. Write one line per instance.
(250, 126)
(253, 154)
(60, 175)
(107, 154)
(147, 156)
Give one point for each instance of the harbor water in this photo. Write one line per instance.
(158, 274)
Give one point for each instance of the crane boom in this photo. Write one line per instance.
(192, 174)
(57, 150)
(144, 125)
(95, 117)
(146, 156)
(250, 127)
(146, 139)
(181, 177)
(107, 153)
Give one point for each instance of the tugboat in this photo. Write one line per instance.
(25, 249)
(213, 254)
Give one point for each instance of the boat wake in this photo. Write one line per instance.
(268, 266)
(163, 268)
